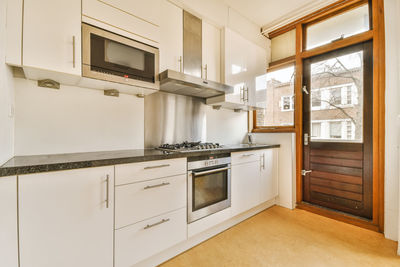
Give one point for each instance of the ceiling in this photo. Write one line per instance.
(266, 13)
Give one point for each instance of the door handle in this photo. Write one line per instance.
(180, 63)
(305, 90)
(107, 191)
(304, 172)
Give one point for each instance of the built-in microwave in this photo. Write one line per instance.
(112, 57)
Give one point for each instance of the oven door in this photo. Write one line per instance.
(111, 57)
(209, 191)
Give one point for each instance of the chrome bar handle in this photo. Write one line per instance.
(155, 224)
(156, 167)
(247, 95)
(154, 186)
(241, 97)
(206, 72)
(73, 51)
(107, 191)
(247, 155)
(180, 63)
(211, 171)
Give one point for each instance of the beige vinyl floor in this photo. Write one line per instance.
(282, 237)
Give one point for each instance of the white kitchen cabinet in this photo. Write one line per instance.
(211, 52)
(136, 19)
(146, 238)
(171, 37)
(268, 174)
(242, 61)
(66, 218)
(245, 186)
(8, 222)
(140, 201)
(52, 35)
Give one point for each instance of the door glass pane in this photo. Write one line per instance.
(344, 25)
(337, 98)
(209, 189)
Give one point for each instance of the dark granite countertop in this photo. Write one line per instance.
(45, 163)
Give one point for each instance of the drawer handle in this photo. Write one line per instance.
(155, 224)
(157, 185)
(247, 155)
(158, 166)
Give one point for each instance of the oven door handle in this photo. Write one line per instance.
(210, 171)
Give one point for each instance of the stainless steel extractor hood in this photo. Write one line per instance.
(190, 82)
(183, 84)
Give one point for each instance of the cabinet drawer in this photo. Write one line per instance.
(245, 156)
(144, 239)
(143, 171)
(140, 201)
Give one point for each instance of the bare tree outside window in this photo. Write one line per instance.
(337, 86)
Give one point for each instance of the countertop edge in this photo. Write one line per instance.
(39, 168)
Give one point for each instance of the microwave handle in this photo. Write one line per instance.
(210, 171)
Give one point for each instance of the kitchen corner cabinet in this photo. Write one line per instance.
(268, 174)
(211, 52)
(66, 218)
(243, 61)
(171, 37)
(8, 222)
(52, 35)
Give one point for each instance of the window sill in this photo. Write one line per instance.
(274, 130)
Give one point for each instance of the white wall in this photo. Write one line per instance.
(392, 28)
(225, 126)
(287, 165)
(75, 119)
(6, 95)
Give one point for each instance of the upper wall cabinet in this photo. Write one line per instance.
(211, 52)
(243, 61)
(171, 37)
(139, 20)
(52, 35)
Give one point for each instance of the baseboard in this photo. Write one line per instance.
(201, 237)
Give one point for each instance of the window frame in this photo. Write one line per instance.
(274, 66)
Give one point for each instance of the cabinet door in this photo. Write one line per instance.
(245, 186)
(8, 222)
(257, 62)
(64, 219)
(211, 52)
(171, 37)
(269, 174)
(52, 35)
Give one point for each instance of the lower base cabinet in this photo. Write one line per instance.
(245, 186)
(140, 241)
(66, 218)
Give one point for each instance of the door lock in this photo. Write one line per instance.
(304, 172)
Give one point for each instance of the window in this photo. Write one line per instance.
(335, 130)
(316, 130)
(349, 93)
(287, 103)
(316, 99)
(336, 96)
(278, 95)
(338, 27)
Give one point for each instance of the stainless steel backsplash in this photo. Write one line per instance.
(170, 118)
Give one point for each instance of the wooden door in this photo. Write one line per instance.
(52, 35)
(64, 219)
(337, 135)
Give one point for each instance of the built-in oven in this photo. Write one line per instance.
(209, 185)
(111, 57)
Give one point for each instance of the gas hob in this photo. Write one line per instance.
(189, 146)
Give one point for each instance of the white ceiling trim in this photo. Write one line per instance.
(295, 15)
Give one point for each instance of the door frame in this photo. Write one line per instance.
(377, 35)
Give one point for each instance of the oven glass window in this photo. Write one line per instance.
(209, 189)
(124, 55)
